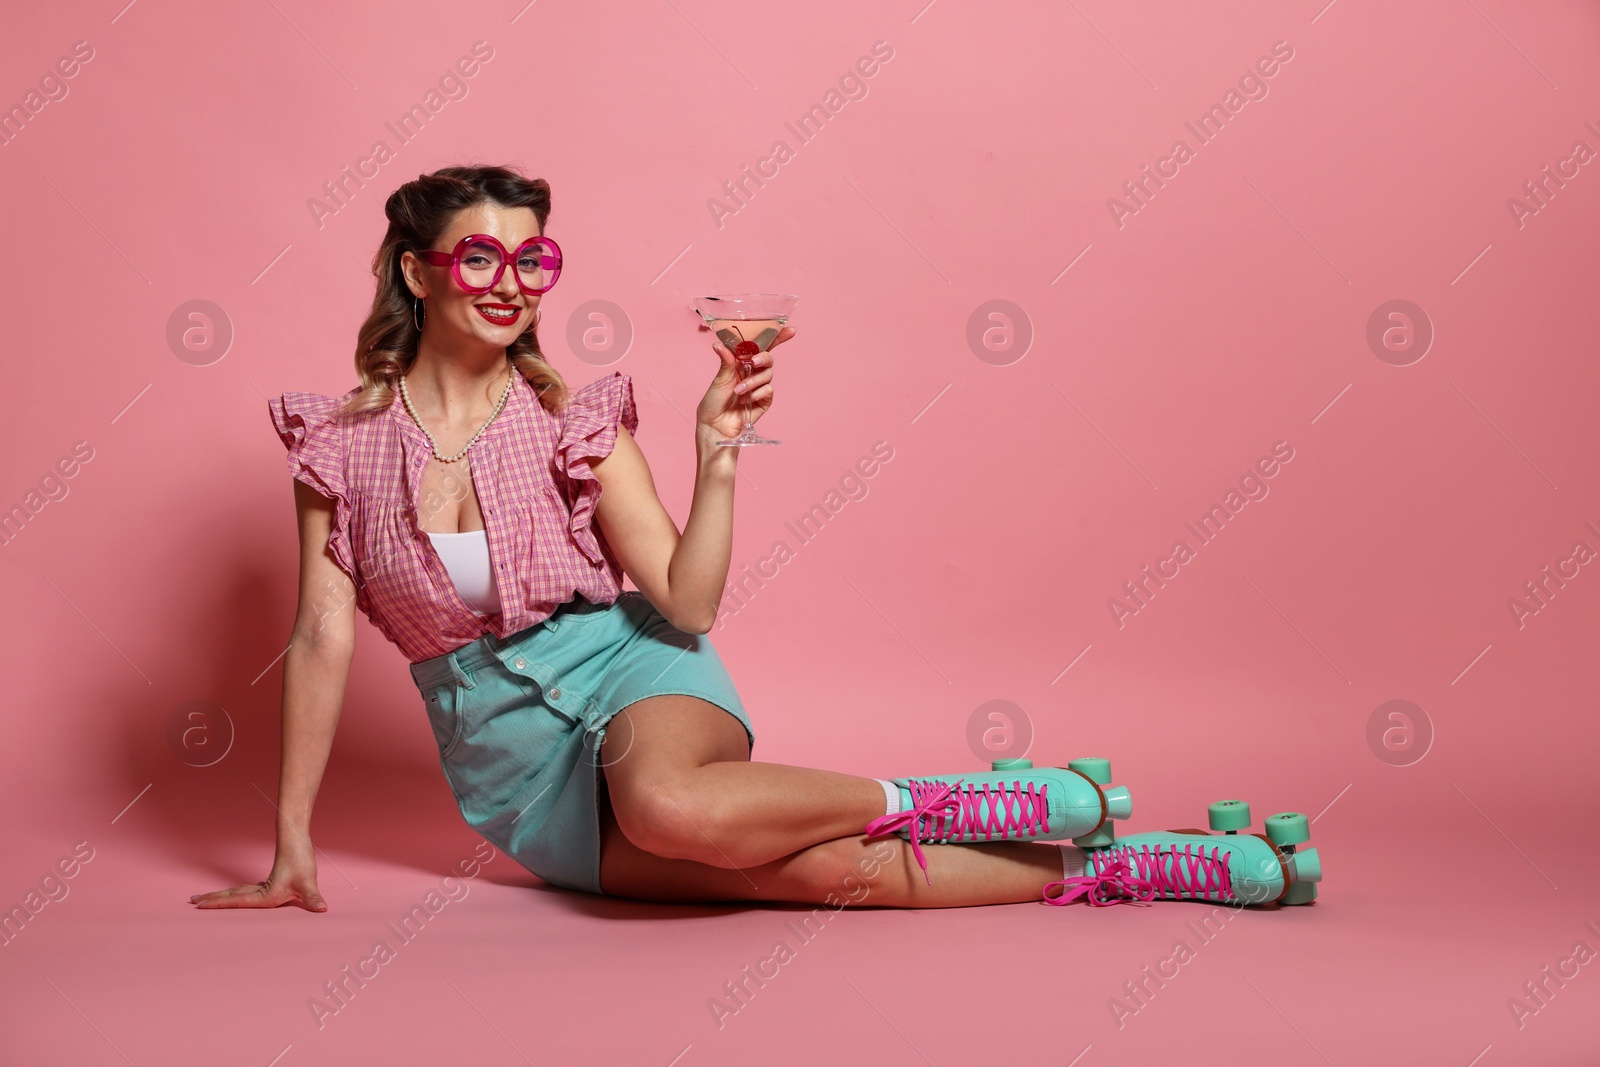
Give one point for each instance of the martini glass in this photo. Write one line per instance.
(747, 323)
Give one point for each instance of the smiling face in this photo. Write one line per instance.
(495, 318)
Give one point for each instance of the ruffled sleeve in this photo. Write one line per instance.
(306, 423)
(588, 433)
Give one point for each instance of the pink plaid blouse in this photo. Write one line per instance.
(531, 470)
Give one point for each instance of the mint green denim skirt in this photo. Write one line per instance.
(519, 722)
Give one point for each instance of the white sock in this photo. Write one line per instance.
(1073, 862)
(891, 793)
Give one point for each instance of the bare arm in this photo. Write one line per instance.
(683, 575)
(315, 669)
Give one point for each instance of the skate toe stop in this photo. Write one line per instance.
(1119, 805)
(1307, 865)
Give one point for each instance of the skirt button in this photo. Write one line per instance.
(555, 694)
(521, 663)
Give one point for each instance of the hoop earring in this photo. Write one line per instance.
(537, 313)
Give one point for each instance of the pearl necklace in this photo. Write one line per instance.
(434, 445)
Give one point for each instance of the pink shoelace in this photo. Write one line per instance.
(942, 810)
(1137, 873)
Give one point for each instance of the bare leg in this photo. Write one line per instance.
(845, 871)
(683, 787)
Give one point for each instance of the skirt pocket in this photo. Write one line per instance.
(443, 702)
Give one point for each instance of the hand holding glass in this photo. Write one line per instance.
(747, 323)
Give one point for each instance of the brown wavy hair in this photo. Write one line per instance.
(419, 212)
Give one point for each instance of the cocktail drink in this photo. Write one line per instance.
(747, 323)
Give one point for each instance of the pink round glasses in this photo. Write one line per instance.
(478, 261)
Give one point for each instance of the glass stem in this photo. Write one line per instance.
(745, 367)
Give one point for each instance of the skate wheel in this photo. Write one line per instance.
(1094, 768)
(1228, 815)
(1299, 893)
(1119, 805)
(1011, 764)
(1307, 866)
(1288, 828)
(1101, 838)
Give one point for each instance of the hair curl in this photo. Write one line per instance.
(419, 212)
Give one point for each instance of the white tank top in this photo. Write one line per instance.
(466, 557)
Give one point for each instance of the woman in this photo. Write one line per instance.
(482, 516)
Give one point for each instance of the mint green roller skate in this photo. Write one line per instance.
(1013, 802)
(1223, 868)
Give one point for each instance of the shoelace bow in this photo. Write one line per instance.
(1136, 874)
(942, 810)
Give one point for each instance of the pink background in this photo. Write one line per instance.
(1228, 313)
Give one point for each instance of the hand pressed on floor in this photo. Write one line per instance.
(293, 881)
